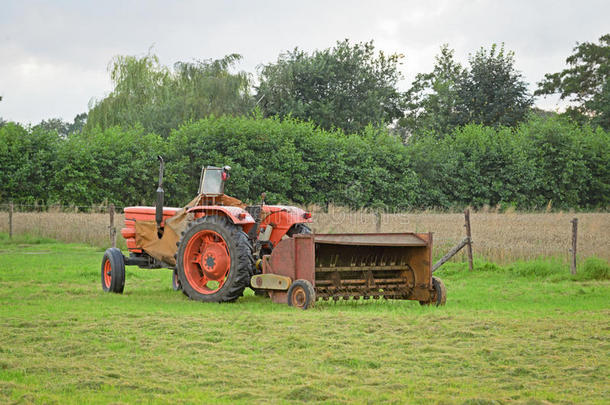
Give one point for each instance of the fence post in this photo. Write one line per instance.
(111, 227)
(574, 243)
(378, 221)
(469, 236)
(10, 220)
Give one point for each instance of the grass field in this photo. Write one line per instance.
(525, 333)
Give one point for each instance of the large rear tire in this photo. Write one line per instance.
(113, 271)
(214, 260)
(175, 281)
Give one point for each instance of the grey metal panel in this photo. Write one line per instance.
(371, 239)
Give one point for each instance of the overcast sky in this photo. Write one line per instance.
(54, 54)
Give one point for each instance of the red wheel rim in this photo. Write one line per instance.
(107, 273)
(206, 262)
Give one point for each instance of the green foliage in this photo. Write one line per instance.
(159, 99)
(493, 92)
(489, 92)
(593, 269)
(552, 269)
(586, 82)
(348, 86)
(291, 161)
(541, 160)
(27, 159)
(61, 127)
(433, 97)
(556, 146)
(113, 165)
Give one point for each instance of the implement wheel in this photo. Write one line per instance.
(301, 294)
(441, 293)
(113, 271)
(214, 260)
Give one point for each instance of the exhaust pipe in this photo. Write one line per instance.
(160, 196)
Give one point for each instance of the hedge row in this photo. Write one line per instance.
(544, 159)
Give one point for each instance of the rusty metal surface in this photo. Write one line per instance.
(270, 282)
(371, 239)
(353, 266)
(395, 266)
(292, 257)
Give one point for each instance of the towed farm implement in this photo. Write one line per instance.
(217, 246)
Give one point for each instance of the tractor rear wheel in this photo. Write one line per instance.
(175, 281)
(113, 271)
(214, 260)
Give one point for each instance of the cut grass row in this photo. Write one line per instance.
(523, 333)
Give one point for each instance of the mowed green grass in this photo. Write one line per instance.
(502, 336)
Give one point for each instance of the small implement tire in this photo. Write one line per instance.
(176, 281)
(214, 260)
(441, 293)
(113, 271)
(301, 294)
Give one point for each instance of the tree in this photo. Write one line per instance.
(489, 92)
(208, 88)
(148, 93)
(585, 82)
(493, 92)
(61, 127)
(27, 156)
(433, 97)
(347, 87)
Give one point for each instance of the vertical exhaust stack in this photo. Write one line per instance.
(160, 196)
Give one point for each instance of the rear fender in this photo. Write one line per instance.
(281, 219)
(236, 215)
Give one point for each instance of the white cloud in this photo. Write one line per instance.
(53, 55)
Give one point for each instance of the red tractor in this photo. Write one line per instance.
(217, 246)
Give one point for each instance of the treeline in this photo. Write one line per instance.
(330, 126)
(542, 161)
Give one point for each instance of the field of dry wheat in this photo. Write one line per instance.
(498, 237)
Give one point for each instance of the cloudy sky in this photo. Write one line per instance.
(54, 54)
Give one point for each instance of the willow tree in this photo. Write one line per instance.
(160, 99)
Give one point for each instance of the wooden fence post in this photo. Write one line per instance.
(111, 227)
(378, 221)
(10, 220)
(574, 243)
(469, 236)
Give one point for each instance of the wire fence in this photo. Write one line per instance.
(498, 237)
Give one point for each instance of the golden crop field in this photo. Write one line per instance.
(498, 237)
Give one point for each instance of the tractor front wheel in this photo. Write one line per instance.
(113, 271)
(214, 260)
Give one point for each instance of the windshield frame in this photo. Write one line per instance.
(211, 182)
